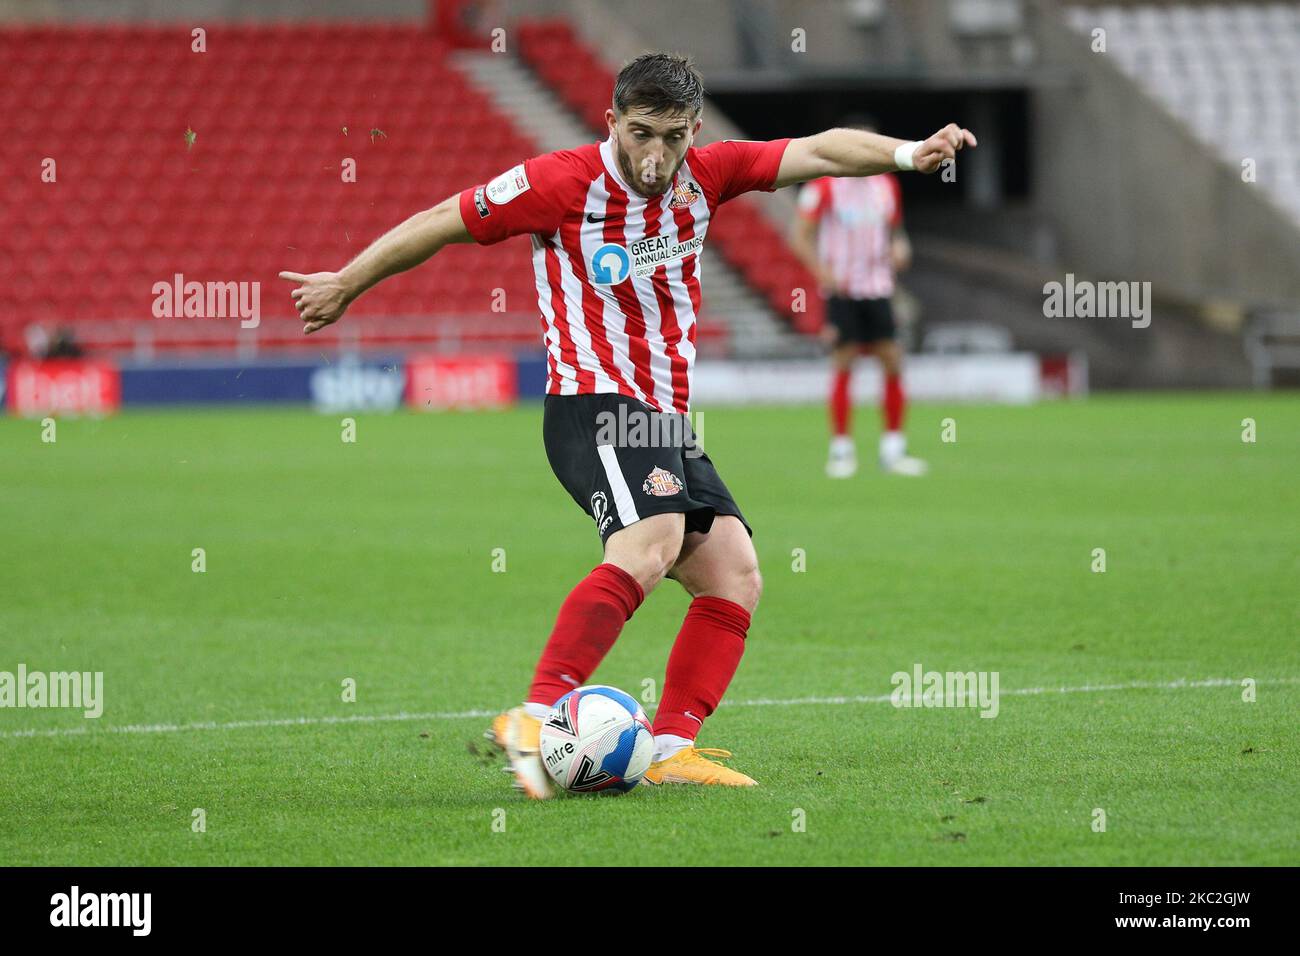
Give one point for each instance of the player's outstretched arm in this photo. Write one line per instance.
(322, 297)
(855, 152)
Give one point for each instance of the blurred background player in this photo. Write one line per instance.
(849, 232)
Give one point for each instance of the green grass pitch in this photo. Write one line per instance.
(374, 561)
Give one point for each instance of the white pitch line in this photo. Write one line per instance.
(479, 714)
(1025, 691)
(245, 724)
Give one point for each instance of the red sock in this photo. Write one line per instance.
(587, 626)
(894, 403)
(703, 661)
(840, 403)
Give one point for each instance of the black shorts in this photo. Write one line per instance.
(622, 461)
(861, 320)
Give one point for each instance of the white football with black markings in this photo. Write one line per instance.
(597, 738)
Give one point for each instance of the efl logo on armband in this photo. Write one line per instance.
(508, 185)
(481, 204)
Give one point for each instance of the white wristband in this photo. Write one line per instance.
(903, 155)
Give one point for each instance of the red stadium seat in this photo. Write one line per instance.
(259, 190)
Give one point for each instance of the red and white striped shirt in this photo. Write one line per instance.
(855, 219)
(618, 275)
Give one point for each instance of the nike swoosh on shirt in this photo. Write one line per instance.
(594, 219)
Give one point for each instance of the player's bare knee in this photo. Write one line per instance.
(662, 555)
(737, 580)
(742, 585)
(749, 587)
(648, 549)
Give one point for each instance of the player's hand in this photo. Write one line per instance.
(321, 299)
(929, 156)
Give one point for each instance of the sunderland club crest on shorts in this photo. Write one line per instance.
(662, 483)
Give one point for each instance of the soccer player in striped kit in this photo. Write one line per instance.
(849, 232)
(617, 229)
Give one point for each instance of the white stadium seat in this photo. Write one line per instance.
(1230, 72)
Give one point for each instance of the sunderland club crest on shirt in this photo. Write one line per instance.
(662, 483)
(684, 194)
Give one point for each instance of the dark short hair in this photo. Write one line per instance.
(659, 83)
